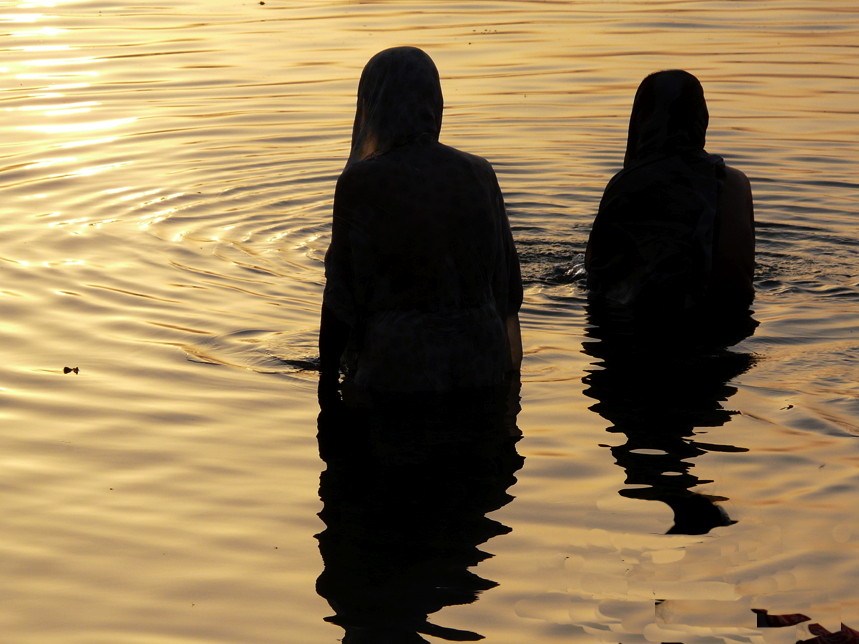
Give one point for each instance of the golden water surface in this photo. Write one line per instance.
(166, 173)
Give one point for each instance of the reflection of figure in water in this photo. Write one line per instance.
(408, 483)
(675, 228)
(663, 396)
(422, 280)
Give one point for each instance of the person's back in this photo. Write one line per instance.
(675, 230)
(426, 229)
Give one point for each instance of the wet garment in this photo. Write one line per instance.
(652, 242)
(421, 268)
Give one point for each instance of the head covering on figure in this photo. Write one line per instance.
(669, 115)
(399, 101)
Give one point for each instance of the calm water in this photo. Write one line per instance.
(167, 175)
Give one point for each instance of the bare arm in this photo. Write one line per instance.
(734, 253)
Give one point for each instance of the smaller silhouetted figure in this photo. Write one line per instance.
(423, 286)
(670, 264)
(675, 229)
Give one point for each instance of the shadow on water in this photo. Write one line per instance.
(663, 388)
(408, 484)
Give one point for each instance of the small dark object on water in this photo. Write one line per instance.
(765, 620)
(74, 370)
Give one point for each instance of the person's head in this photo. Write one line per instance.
(399, 101)
(669, 114)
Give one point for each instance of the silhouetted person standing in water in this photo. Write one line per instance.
(420, 310)
(423, 284)
(675, 229)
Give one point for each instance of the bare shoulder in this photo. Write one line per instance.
(738, 183)
(737, 199)
(736, 177)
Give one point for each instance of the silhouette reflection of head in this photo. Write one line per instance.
(662, 387)
(408, 483)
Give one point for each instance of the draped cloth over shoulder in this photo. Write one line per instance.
(421, 266)
(652, 242)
